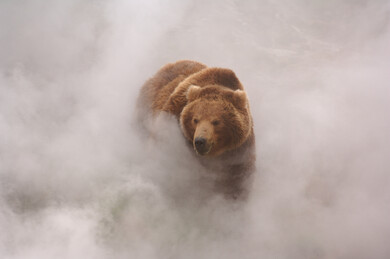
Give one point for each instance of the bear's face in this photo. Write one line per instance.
(215, 119)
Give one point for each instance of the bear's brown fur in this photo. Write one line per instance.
(213, 112)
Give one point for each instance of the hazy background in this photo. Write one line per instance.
(77, 181)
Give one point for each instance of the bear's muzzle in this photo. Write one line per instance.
(202, 146)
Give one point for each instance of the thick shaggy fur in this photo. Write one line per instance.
(213, 111)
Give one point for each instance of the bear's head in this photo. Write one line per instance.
(216, 119)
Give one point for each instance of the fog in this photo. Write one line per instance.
(77, 180)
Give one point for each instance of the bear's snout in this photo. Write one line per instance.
(200, 142)
(201, 146)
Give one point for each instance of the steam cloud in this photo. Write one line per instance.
(77, 181)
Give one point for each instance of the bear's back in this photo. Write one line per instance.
(156, 91)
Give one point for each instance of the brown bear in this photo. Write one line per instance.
(213, 112)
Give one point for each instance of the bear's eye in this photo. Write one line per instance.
(215, 122)
(196, 121)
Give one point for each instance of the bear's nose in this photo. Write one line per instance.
(200, 143)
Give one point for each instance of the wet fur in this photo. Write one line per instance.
(179, 86)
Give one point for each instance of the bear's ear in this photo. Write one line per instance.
(193, 92)
(239, 99)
